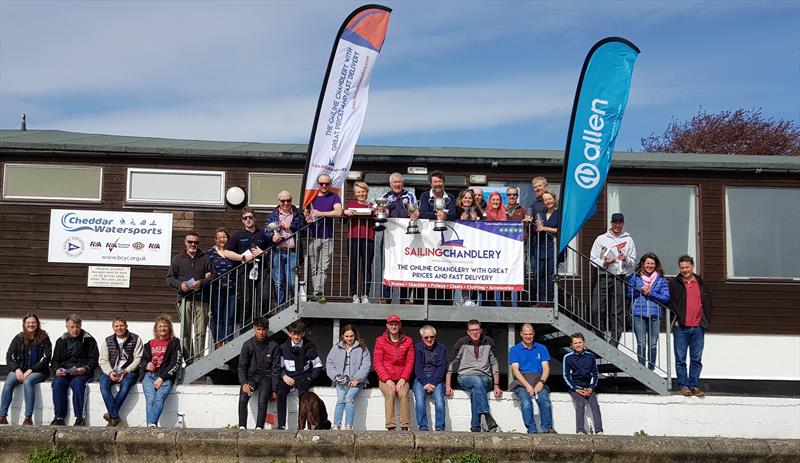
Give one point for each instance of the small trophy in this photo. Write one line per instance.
(439, 205)
(272, 226)
(411, 208)
(379, 206)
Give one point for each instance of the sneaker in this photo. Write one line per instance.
(491, 424)
(383, 301)
(356, 300)
(58, 422)
(599, 433)
(551, 431)
(79, 421)
(580, 432)
(107, 417)
(685, 391)
(28, 421)
(408, 302)
(242, 427)
(404, 428)
(113, 422)
(365, 299)
(152, 425)
(3, 420)
(468, 303)
(697, 392)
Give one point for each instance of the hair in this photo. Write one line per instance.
(460, 199)
(74, 318)
(349, 327)
(551, 193)
(163, 318)
(427, 328)
(495, 214)
(685, 258)
(362, 185)
(247, 209)
(527, 324)
(261, 322)
(323, 175)
(38, 336)
(119, 319)
(396, 175)
(222, 230)
(577, 335)
(436, 173)
(539, 179)
(473, 322)
(298, 326)
(512, 187)
(192, 233)
(649, 255)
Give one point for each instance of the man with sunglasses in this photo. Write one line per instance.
(190, 271)
(245, 246)
(289, 220)
(322, 209)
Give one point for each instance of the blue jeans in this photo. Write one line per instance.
(526, 407)
(223, 313)
(646, 331)
(693, 339)
(345, 405)
(113, 404)
(498, 296)
(283, 264)
(154, 399)
(477, 386)
(420, 403)
(78, 386)
(28, 389)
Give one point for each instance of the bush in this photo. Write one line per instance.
(59, 455)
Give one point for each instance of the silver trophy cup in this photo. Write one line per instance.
(411, 208)
(379, 206)
(440, 205)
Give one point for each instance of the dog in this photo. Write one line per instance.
(313, 412)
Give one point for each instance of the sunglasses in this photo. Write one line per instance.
(324, 183)
(285, 200)
(192, 242)
(429, 337)
(248, 217)
(512, 194)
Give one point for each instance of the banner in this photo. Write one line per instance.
(109, 237)
(468, 255)
(343, 99)
(600, 101)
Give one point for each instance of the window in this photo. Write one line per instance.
(661, 219)
(61, 183)
(763, 232)
(264, 188)
(183, 187)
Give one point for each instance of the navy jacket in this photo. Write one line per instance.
(439, 363)
(426, 210)
(580, 370)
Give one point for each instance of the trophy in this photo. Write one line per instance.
(411, 208)
(439, 205)
(272, 226)
(379, 206)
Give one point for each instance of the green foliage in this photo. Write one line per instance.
(279, 460)
(466, 457)
(640, 433)
(59, 455)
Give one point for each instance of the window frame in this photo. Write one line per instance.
(133, 170)
(97, 200)
(253, 205)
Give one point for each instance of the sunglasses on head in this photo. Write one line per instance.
(248, 217)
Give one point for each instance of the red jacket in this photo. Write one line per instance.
(393, 360)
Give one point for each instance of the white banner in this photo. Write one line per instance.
(109, 237)
(468, 255)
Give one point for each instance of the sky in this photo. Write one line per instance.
(485, 74)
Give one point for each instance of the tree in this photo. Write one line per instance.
(728, 132)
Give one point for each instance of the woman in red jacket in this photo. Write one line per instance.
(394, 362)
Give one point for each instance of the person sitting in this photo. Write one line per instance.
(256, 372)
(430, 366)
(348, 365)
(394, 363)
(298, 366)
(75, 358)
(28, 362)
(120, 356)
(161, 359)
(530, 366)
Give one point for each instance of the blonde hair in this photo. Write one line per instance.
(362, 185)
(163, 318)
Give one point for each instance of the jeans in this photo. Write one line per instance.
(319, 252)
(223, 313)
(498, 298)
(263, 394)
(646, 331)
(526, 407)
(28, 390)
(61, 384)
(420, 403)
(693, 339)
(544, 276)
(580, 403)
(283, 264)
(154, 398)
(477, 386)
(345, 405)
(113, 404)
(360, 256)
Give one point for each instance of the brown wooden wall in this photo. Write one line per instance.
(29, 283)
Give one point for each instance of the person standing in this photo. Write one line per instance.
(348, 364)
(28, 362)
(530, 366)
(427, 210)
(615, 252)
(430, 366)
(394, 363)
(323, 208)
(581, 376)
(223, 292)
(297, 367)
(647, 288)
(691, 302)
(120, 356)
(289, 220)
(75, 358)
(245, 246)
(545, 250)
(256, 372)
(400, 198)
(161, 360)
(536, 209)
(496, 211)
(361, 246)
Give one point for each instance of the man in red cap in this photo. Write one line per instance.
(394, 362)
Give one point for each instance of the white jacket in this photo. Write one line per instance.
(611, 245)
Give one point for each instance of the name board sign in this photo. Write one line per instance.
(109, 277)
(468, 255)
(109, 237)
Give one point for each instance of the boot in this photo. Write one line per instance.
(28, 421)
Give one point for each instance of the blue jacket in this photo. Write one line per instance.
(643, 306)
(580, 370)
(298, 222)
(439, 363)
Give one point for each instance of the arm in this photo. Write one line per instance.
(43, 365)
(172, 275)
(137, 356)
(105, 366)
(366, 361)
(595, 374)
(441, 369)
(208, 270)
(12, 365)
(495, 373)
(629, 264)
(567, 371)
(245, 357)
(93, 357)
(597, 254)
(520, 378)
(635, 285)
(172, 361)
(330, 366)
(660, 291)
(383, 375)
(409, 362)
(419, 367)
(316, 365)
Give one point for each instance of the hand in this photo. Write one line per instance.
(448, 391)
(528, 219)
(353, 383)
(539, 227)
(588, 392)
(276, 238)
(256, 251)
(498, 393)
(530, 389)
(464, 216)
(121, 375)
(440, 215)
(400, 385)
(184, 288)
(414, 216)
(150, 367)
(288, 380)
(646, 290)
(20, 375)
(538, 387)
(157, 383)
(315, 213)
(474, 216)
(391, 384)
(61, 372)
(349, 212)
(622, 257)
(80, 371)
(113, 377)
(274, 396)
(247, 389)
(429, 388)
(26, 374)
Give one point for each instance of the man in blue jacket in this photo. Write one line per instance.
(430, 366)
(580, 374)
(297, 366)
(281, 230)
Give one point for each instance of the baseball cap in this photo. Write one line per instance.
(617, 217)
(393, 319)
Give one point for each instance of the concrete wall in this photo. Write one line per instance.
(623, 414)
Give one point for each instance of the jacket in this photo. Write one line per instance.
(360, 362)
(17, 354)
(86, 357)
(173, 359)
(462, 358)
(439, 364)
(394, 361)
(614, 245)
(109, 352)
(183, 268)
(644, 306)
(307, 354)
(580, 370)
(677, 302)
(397, 209)
(298, 222)
(256, 360)
(426, 210)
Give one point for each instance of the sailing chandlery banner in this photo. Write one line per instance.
(343, 100)
(600, 101)
(468, 255)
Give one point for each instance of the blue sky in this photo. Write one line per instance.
(452, 73)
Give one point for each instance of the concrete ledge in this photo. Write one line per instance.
(234, 446)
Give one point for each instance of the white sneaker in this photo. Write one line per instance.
(469, 303)
(356, 300)
(364, 299)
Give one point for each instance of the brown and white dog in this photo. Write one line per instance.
(313, 412)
